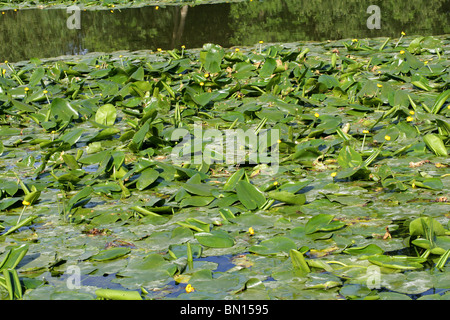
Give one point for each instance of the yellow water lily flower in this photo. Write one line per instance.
(379, 85)
(365, 131)
(409, 119)
(251, 231)
(333, 174)
(316, 115)
(387, 138)
(26, 203)
(189, 288)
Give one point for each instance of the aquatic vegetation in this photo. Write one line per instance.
(119, 165)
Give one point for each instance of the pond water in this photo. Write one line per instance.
(44, 33)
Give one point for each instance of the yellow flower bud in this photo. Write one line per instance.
(189, 288)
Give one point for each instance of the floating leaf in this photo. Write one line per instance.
(435, 143)
(287, 197)
(147, 177)
(249, 195)
(275, 245)
(114, 294)
(370, 249)
(398, 262)
(215, 239)
(110, 254)
(322, 222)
(62, 110)
(106, 115)
(416, 227)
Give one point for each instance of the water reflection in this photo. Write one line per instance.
(44, 33)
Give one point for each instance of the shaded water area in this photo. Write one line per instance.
(44, 33)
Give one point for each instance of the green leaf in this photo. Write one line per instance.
(106, 115)
(232, 181)
(298, 261)
(435, 144)
(275, 245)
(62, 110)
(287, 197)
(215, 239)
(416, 226)
(22, 106)
(113, 294)
(110, 254)
(14, 256)
(139, 136)
(196, 201)
(82, 197)
(349, 158)
(20, 225)
(147, 177)
(322, 222)
(440, 100)
(198, 189)
(329, 81)
(370, 249)
(211, 57)
(36, 77)
(249, 195)
(397, 262)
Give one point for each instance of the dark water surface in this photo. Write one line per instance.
(42, 33)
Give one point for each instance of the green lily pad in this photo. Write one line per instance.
(276, 245)
(397, 262)
(370, 249)
(249, 195)
(287, 197)
(110, 254)
(215, 239)
(322, 222)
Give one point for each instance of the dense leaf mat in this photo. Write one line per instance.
(353, 203)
